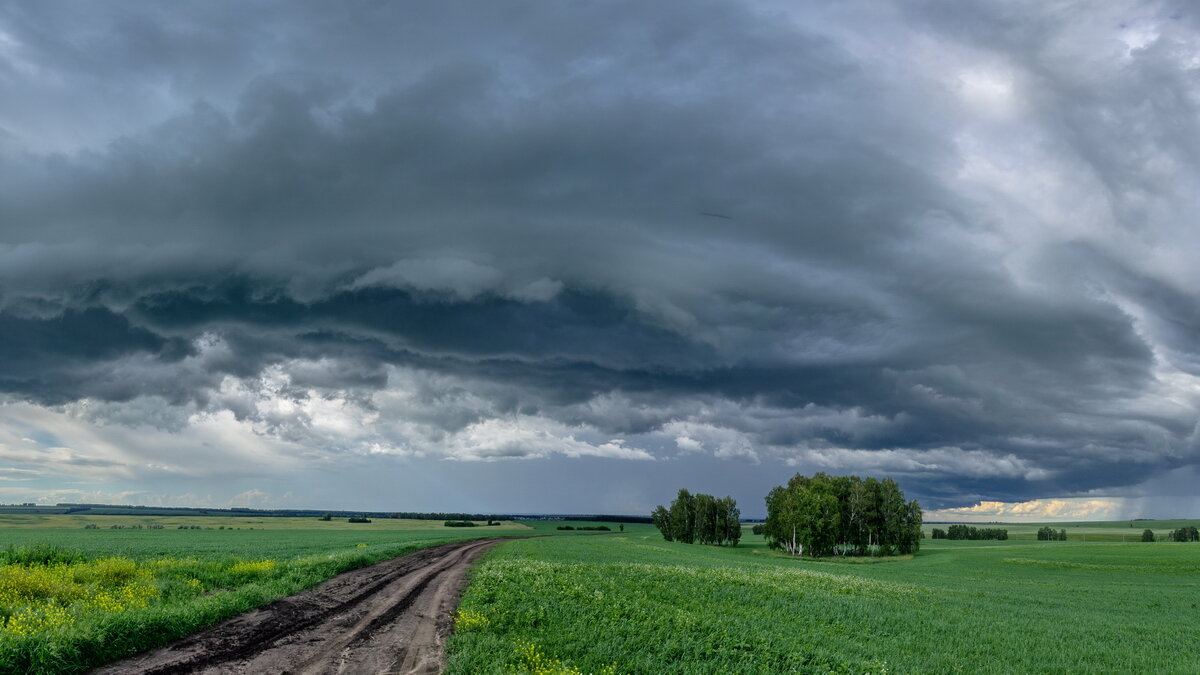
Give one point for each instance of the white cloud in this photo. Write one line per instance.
(528, 438)
(1036, 510)
(65, 444)
(723, 442)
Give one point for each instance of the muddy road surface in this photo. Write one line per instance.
(391, 617)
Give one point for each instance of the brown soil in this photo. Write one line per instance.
(391, 617)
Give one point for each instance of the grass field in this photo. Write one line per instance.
(625, 602)
(71, 598)
(633, 603)
(76, 522)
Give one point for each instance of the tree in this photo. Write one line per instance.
(894, 512)
(662, 520)
(683, 517)
(859, 505)
(704, 513)
(910, 539)
(820, 516)
(731, 521)
(1147, 535)
(782, 514)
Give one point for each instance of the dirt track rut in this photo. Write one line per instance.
(391, 617)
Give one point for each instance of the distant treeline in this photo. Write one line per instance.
(841, 515)
(117, 510)
(468, 523)
(594, 518)
(700, 519)
(970, 532)
(1049, 534)
(128, 510)
(598, 528)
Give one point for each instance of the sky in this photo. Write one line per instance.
(571, 257)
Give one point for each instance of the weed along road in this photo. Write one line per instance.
(391, 617)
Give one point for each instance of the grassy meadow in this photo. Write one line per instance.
(71, 598)
(632, 603)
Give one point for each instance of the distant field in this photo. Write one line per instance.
(633, 603)
(78, 521)
(1117, 530)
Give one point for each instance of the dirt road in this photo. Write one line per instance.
(391, 617)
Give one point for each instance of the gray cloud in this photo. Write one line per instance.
(950, 243)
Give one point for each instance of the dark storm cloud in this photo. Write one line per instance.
(948, 248)
(46, 358)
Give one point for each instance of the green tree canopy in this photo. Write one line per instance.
(841, 515)
(700, 519)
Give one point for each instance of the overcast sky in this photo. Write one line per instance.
(572, 256)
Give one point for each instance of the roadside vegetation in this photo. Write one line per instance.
(634, 603)
(73, 598)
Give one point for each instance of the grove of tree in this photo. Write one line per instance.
(700, 519)
(841, 515)
(1184, 534)
(1050, 534)
(970, 532)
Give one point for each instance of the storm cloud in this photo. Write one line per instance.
(245, 245)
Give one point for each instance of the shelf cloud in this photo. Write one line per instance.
(245, 248)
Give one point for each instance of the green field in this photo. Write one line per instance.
(71, 598)
(633, 603)
(75, 522)
(625, 602)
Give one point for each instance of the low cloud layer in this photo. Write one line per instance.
(1038, 510)
(721, 242)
